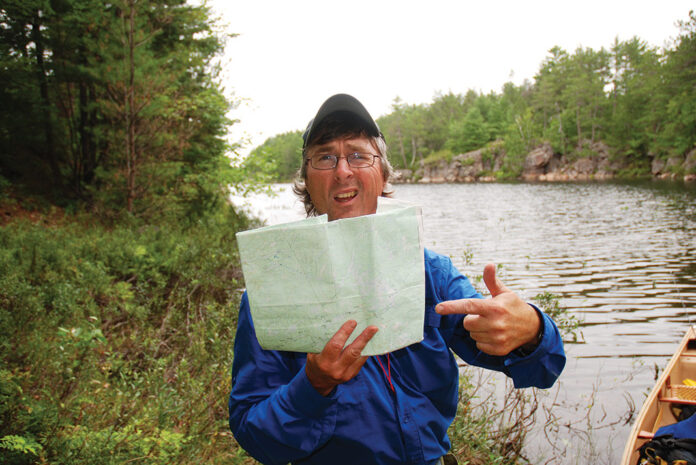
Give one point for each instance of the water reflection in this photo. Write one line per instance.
(622, 256)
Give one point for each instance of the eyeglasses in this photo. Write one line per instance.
(329, 161)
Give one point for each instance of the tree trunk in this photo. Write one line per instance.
(82, 134)
(88, 119)
(545, 119)
(130, 113)
(414, 150)
(560, 128)
(594, 124)
(50, 150)
(401, 147)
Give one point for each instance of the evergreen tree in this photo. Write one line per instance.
(443, 111)
(393, 126)
(276, 160)
(550, 84)
(123, 102)
(583, 95)
(633, 97)
(468, 134)
(678, 134)
(407, 126)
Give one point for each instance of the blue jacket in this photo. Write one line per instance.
(278, 417)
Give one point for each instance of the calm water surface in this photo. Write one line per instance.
(622, 258)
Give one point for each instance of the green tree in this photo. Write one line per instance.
(678, 134)
(584, 93)
(393, 126)
(520, 133)
(549, 85)
(276, 160)
(406, 127)
(635, 83)
(162, 107)
(125, 108)
(468, 134)
(443, 111)
(496, 114)
(27, 133)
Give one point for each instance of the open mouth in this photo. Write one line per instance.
(345, 196)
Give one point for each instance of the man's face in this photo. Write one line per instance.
(345, 192)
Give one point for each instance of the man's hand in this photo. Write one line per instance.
(499, 324)
(337, 364)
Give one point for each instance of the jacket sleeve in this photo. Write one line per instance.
(540, 368)
(276, 415)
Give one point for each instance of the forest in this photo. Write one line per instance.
(113, 105)
(637, 99)
(119, 272)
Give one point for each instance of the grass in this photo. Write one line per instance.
(488, 428)
(117, 342)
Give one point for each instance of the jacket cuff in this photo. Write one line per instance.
(306, 399)
(546, 360)
(529, 349)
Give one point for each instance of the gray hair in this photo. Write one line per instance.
(334, 129)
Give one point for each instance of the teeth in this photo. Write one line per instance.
(346, 195)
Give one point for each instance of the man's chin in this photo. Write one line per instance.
(343, 213)
(334, 217)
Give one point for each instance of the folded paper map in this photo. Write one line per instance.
(306, 278)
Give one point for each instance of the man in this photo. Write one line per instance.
(339, 407)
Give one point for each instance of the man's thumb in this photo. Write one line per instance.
(494, 285)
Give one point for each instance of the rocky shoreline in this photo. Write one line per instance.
(542, 164)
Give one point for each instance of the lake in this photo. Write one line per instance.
(622, 259)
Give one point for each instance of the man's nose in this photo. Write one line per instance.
(343, 169)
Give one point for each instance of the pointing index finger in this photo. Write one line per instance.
(462, 306)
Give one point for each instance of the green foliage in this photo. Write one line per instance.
(19, 445)
(117, 342)
(406, 129)
(114, 106)
(440, 155)
(568, 324)
(4, 189)
(678, 135)
(469, 133)
(517, 141)
(484, 431)
(634, 69)
(640, 168)
(437, 117)
(276, 160)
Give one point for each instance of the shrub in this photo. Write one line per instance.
(117, 342)
(487, 430)
(438, 156)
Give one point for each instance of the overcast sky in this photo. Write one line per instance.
(292, 55)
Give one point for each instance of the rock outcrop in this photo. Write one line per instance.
(554, 167)
(592, 162)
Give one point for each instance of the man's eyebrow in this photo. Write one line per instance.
(322, 149)
(356, 147)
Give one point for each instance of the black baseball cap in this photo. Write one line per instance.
(341, 103)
